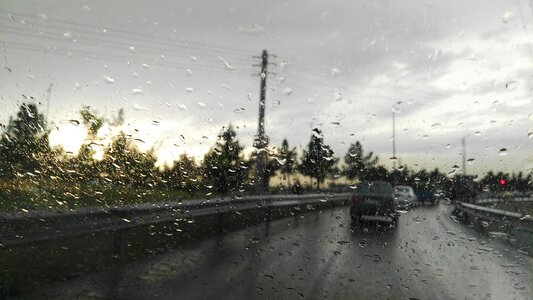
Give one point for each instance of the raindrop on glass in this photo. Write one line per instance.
(286, 91)
(108, 79)
(511, 85)
(139, 107)
(137, 91)
(508, 17)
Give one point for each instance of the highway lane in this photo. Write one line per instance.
(323, 256)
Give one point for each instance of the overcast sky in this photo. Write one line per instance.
(183, 69)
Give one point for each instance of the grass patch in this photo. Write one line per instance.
(27, 195)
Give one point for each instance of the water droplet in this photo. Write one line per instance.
(337, 95)
(435, 125)
(239, 110)
(227, 65)
(503, 151)
(156, 122)
(477, 133)
(67, 35)
(511, 85)
(425, 137)
(193, 58)
(109, 79)
(225, 86)
(182, 106)
(335, 71)
(139, 107)
(286, 91)
(146, 66)
(436, 53)
(530, 134)
(137, 91)
(448, 146)
(189, 89)
(201, 104)
(471, 161)
(508, 17)
(189, 72)
(73, 122)
(132, 49)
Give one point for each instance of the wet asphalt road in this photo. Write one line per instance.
(323, 256)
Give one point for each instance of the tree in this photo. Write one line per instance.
(358, 165)
(184, 174)
(223, 168)
(271, 166)
(318, 160)
(288, 160)
(24, 145)
(87, 167)
(125, 164)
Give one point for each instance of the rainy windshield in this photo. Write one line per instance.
(280, 149)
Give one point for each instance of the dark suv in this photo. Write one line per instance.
(373, 199)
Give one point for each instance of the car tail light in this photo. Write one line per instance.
(354, 200)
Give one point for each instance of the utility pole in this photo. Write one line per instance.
(394, 141)
(463, 144)
(261, 140)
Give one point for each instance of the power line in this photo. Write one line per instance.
(111, 44)
(110, 57)
(137, 35)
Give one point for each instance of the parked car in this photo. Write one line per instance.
(373, 199)
(406, 196)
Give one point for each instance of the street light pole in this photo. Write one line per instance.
(394, 141)
(463, 144)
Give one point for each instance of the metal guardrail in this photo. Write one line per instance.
(18, 229)
(498, 200)
(514, 219)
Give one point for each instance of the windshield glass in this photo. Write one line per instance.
(222, 149)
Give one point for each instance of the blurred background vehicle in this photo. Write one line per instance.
(373, 199)
(405, 196)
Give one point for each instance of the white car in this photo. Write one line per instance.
(405, 196)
